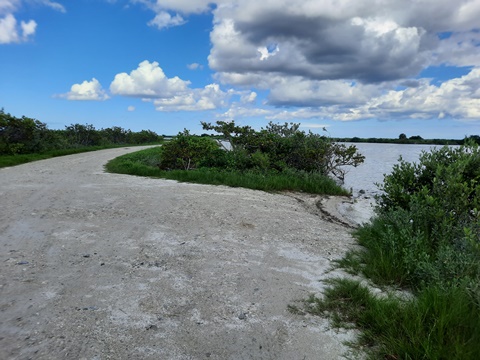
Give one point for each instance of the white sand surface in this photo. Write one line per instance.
(105, 266)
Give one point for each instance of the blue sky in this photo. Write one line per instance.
(367, 68)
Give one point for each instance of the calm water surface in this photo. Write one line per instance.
(379, 160)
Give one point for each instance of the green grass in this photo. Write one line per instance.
(436, 324)
(13, 160)
(439, 318)
(143, 163)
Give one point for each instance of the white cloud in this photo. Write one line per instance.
(194, 66)
(28, 28)
(459, 49)
(253, 42)
(209, 98)
(336, 59)
(8, 6)
(314, 126)
(457, 98)
(54, 5)
(238, 111)
(164, 20)
(131, 108)
(249, 97)
(268, 51)
(182, 6)
(148, 81)
(330, 39)
(10, 32)
(87, 90)
(163, 10)
(298, 91)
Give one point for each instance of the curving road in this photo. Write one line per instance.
(105, 266)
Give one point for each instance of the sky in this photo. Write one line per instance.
(366, 68)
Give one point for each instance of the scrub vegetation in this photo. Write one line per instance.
(279, 157)
(25, 139)
(423, 249)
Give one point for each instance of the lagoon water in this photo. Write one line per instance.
(379, 160)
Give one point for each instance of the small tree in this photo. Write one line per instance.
(21, 135)
(234, 134)
(285, 146)
(186, 151)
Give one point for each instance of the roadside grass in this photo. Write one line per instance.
(423, 251)
(429, 307)
(437, 324)
(144, 163)
(13, 160)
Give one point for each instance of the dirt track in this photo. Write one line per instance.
(106, 266)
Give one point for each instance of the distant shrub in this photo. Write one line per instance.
(186, 151)
(281, 147)
(28, 136)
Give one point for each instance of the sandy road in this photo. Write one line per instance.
(106, 266)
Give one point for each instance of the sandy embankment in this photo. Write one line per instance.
(106, 266)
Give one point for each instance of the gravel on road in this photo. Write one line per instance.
(96, 265)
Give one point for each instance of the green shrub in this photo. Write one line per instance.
(449, 176)
(428, 225)
(186, 151)
(426, 239)
(29, 136)
(280, 147)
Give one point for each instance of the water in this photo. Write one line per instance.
(379, 160)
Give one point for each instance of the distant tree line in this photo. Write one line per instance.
(26, 135)
(416, 139)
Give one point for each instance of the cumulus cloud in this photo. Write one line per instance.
(209, 98)
(240, 111)
(457, 98)
(28, 28)
(458, 49)
(147, 81)
(8, 29)
(297, 91)
(365, 40)
(11, 32)
(248, 97)
(164, 20)
(299, 38)
(150, 83)
(168, 12)
(87, 90)
(336, 59)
